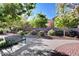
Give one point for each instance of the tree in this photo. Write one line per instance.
(67, 18)
(70, 21)
(61, 9)
(39, 21)
(15, 9)
(11, 13)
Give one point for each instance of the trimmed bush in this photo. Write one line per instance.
(2, 43)
(67, 33)
(41, 33)
(72, 33)
(26, 32)
(21, 33)
(1, 40)
(59, 33)
(33, 32)
(1, 31)
(51, 32)
(7, 30)
(77, 34)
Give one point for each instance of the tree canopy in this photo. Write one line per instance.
(39, 21)
(14, 10)
(11, 13)
(67, 16)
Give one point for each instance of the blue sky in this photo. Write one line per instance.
(49, 9)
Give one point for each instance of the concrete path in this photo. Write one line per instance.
(42, 44)
(36, 43)
(52, 44)
(7, 35)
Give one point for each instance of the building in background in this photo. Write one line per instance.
(50, 24)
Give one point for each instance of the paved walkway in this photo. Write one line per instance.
(7, 35)
(35, 43)
(69, 49)
(53, 44)
(41, 44)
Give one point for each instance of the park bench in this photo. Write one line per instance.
(10, 42)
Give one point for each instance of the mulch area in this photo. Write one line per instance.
(69, 49)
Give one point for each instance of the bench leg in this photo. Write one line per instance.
(11, 49)
(25, 41)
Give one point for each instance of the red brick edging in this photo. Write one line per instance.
(69, 49)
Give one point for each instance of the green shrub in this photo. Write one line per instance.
(51, 32)
(59, 33)
(7, 30)
(41, 33)
(26, 32)
(33, 32)
(1, 31)
(1, 39)
(2, 43)
(21, 33)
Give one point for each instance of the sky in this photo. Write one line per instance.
(48, 9)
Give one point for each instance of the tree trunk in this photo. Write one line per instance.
(64, 33)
